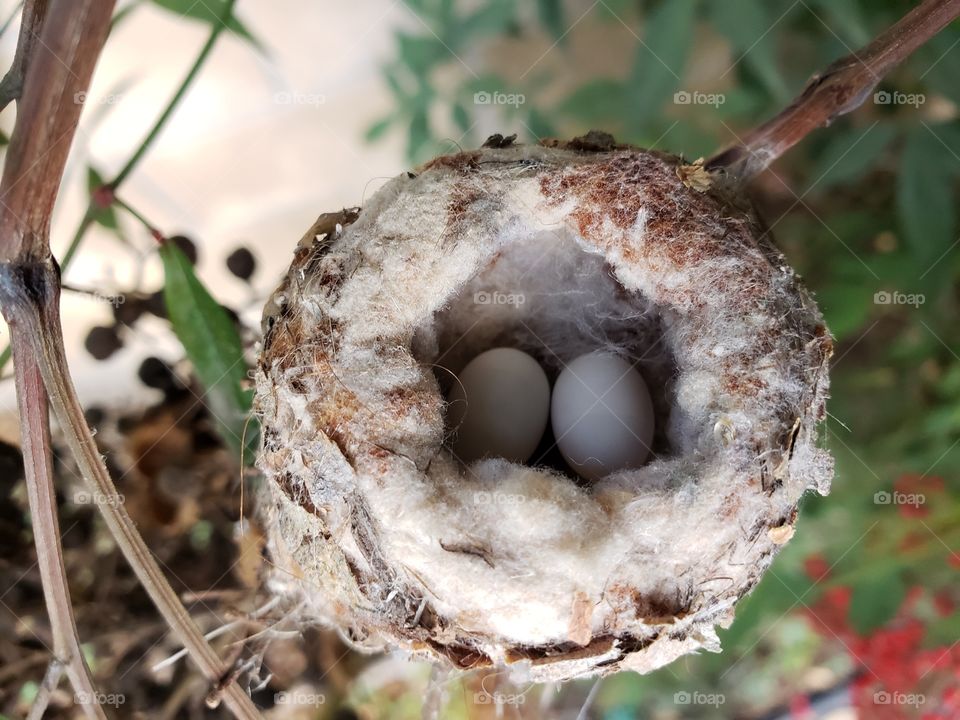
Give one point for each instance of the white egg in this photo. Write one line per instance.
(499, 407)
(602, 415)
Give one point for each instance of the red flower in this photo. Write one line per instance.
(816, 567)
(829, 613)
(944, 603)
(800, 707)
(913, 484)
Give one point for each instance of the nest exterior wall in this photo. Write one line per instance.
(370, 517)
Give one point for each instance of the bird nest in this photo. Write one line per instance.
(555, 249)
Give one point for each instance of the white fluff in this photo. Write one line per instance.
(381, 531)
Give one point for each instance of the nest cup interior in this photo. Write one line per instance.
(555, 301)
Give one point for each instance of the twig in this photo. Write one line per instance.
(32, 19)
(72, 37)
(50, 681)
(839, 89)
(38, 468)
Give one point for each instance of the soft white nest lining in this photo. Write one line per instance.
(508, 561)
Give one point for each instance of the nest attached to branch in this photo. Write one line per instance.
(376, 527)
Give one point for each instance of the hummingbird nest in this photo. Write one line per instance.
(555, 249)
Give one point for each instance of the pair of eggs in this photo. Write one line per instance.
(600, 411)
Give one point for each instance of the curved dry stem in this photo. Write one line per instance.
(840, 88)
(38, 468)
(50, 681)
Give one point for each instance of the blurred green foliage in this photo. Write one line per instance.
(865, 210)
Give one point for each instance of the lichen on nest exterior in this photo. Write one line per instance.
(377, 529)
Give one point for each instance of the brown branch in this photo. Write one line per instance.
(11, 87)
(839, 89)
(38, 468)
(50, 681)
(57, 75)
(58, 72)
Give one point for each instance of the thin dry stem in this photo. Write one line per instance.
(50, 681)
(41, 493)
(11, 87)
(837, 90)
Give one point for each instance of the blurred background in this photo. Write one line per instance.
(306, 107)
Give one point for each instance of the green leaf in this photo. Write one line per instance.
(539, 125)
(461, 117)
(107, 217)
(376, 131)
(925, 196)
(661, 57)
(846, 307)
(847, 17)
(552, 16)
(211, 341)
(419, 134)
(780, 591)
(491, 19)
(421, 53)
(850, 155)
(875, 601)
(942, 631)
(599, 102)
(942, 63)
(749, 27)
(210, 12)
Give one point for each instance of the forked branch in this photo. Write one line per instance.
(11, 87)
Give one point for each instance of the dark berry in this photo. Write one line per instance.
(129, 311)
(155, 373)
(102, 342)
(94, 416)
(242, 263)
(155, 304)
(187, 247)
(345, 713)
(126, 424)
